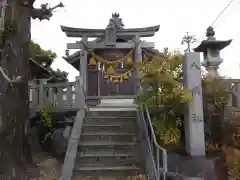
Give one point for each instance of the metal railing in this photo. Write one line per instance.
(156, 156)
(158, 153)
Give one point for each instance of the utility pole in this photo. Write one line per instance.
(188, 39)
(15, 38)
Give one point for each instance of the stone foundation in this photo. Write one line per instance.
(202, 167)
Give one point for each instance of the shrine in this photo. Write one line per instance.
(106, 64)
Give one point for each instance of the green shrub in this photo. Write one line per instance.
(45, 127)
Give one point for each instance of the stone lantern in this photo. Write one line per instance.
(211, 51)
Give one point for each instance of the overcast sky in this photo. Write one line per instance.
(175, 18)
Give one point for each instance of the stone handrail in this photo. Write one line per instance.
(70, 155)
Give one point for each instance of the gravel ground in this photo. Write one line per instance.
(47, 168)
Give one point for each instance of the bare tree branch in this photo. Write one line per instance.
(5, 75)
(14, 80)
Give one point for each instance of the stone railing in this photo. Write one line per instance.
(63, 95)
(234, 98)
(59, 95)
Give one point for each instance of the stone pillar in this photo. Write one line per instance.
(237, 94)
(80, 96)
(228, 110)
(41, 91)
(33, 94)
(138, 50)
(137, 55)
(83, 63)
(194, 124)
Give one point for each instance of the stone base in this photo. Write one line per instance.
(117, 103)
(202, 167)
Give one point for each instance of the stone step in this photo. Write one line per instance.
(101, 146)
(107, 172)
(124, 176)
(111, 113)
(107, 168)
(102, 121)
(106, 151)
(103, 176)
(108, 147)
(106, 143)
(109, 128)
(106, 154)
(119, 137)
(99, 161)
(110, 120)
(113, 108)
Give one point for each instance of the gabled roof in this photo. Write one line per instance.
(38, 71)
(114, 23)
(73, 59)
(122, 35)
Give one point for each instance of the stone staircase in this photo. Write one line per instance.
(109, 146)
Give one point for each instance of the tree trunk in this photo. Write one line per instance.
(14, 98)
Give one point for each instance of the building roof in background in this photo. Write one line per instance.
(38, 71)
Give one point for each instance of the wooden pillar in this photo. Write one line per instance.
(194, 124)
(83, 63)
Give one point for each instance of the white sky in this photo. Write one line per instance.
(175, 18)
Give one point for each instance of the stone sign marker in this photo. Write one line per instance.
(194, 124)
